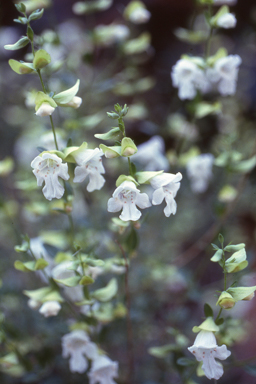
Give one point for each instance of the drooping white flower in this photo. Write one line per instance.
(50, 308)
(75, 102)
(199, 171)
(103, 371)
(154, 146)
(45, 110)
(166, 187)
(188, 78)
(79, 348)
(225, 73)
(205, 349)
(90, 164)
(126, 197)
(48, 168)
(228, 20)
(139, 16)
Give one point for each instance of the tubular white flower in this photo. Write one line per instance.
(228, 20)
(90, 164)
(45, 110)
(188, 78)
(50, 308)
(199, 171)
(139, 16)
(77, 345)
(225, 73)
(144, 156)
(126, 197)
(166, 187)
(103, 371)
(205, 349)
(75, 102)
(47, 168)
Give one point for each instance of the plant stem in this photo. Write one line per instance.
(130, 356)
(130, 166)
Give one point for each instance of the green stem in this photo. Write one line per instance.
(130, 166)
(218, 316)
(208, 44)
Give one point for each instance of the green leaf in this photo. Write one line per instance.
(215, 246)
(24, 247)
(123, 178)
(30, 266)
(132, 240)
(21, 68)
(30, 33)
(6, 166)
(20, 7)
(66, 96)
(36, 15)
(208, 310)
(219, 321)
(44, 294)
(244, 166)
(191, 37)
(18, 45)
(107, 293)
(138, 45)
(86, 280)
(162, 352)
(72, 281)
(186, 362)
(113, 134)
(41, 59)
(221, 238)
(113, 115)
(204, 109)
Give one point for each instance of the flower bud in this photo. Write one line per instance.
(226, 301)
(228, 20)
(50, 308)
(45, 110)
(249, 297)
(75, 102)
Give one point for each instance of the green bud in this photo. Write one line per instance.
(21, 68)
(128, 148)
(41, 59)
(36, 15)
(226, 301)
(111, 152)
(20, 7)
(234, 248)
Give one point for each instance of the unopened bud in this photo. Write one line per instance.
(75, 102)
(226, 301)
(45, 110)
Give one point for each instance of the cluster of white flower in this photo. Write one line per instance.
(78, 346)
(127, 196)
(49, 167)
(189, 78)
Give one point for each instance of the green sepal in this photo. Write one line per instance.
(30, 266)
(234, 248)
(54, 152)
(120, 222)
(123, 178)
(113, 134)
(21, 68)
(107, 293)
(222, 11)
(44, 294)
(111, 152)
(41, 98)
(217, 256)
(41, 59)
(215, 247)
(207, 325)
(240, 293)
(36, 15)
(145, 177)
(72, 281)
(86, 280)
(128, 148)
(18, 45)
(71, 152)
(222, 52)
(20, 7)
(66, 96)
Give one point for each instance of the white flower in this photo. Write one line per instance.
(225, 73)
(189, 78)
(75, 345)
(228, 20)
(166, 187)
(103, 371)
(227, 2)
(139, 16)
(90, 164)
(47, 168)
(144, 155)
(126, 197)
(199, 171)
(45, 110)
(50, 308)
(206, 350)
(75, 102)
(34, 304)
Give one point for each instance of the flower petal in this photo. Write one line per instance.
(96, 181)
(80, 174)
(142, 201)
(78, 363)
(130, 212)
(158, 196)
(114, 205)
